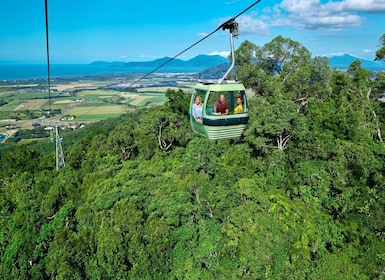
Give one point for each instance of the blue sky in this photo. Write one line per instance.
(83, 31)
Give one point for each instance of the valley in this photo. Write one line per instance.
(73, 102)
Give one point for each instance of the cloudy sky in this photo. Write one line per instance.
(82, 31)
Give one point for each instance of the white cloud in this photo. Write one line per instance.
(295, 6)
(312, 14)
(338, 54)
(332, 22)
(222, 53)
(149, 56)
(231, 2)
(202, 34)
(333, 54)
(369, 6)
(248, 25)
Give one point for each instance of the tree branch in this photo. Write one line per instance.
(162, 143)
(196, 192)
(369, 92)
(160, 136)
(282, 141)
(378, 127)
(125, 153)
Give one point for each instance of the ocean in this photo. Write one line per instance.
(35, 71)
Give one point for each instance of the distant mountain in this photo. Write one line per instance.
(342, 63)
(207, 61)
(200, 61)
(216, 65)
(108, 64)
(215, 72)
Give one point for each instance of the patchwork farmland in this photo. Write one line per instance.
(24, 104)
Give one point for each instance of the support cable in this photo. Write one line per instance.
(60, 162)
(229, 24)
(226, 25)
(48, 60)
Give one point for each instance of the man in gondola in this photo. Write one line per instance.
(221, 106)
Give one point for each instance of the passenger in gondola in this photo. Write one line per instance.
(239, 108)
(197, 109)
(221, 107)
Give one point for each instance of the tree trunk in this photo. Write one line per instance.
(282, 141)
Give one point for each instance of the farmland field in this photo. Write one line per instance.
(77, 100)
(94, 113)
(34, 104)
(65, 101)
(146, 100)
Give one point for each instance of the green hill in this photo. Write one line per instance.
(299, 196)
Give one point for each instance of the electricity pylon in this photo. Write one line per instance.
(59, 151)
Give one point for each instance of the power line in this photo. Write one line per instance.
(59, 151)
(245, 10)
(48, 60)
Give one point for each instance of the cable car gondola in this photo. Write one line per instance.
(214, 125)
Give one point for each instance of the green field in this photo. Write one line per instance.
(34, 104)
(95, 113)
(147, 100)
(65, 101)
(74, 100)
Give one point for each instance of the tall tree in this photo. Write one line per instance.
(380, 53)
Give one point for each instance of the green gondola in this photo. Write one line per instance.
(220, 126)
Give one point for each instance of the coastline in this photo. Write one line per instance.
(10, 71)
(75, 100)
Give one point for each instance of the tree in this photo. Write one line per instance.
(161, 129)
(379, 84)
(302, 193)
(22, 158)
(248, 70)
(178, 101)
(380, 53)
(361, 78)
(122, 140)
(273, 123)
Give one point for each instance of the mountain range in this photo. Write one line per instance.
(200, 61)
(341, 62)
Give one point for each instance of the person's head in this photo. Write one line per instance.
(222, 97)
(239, 100)
(198, 100)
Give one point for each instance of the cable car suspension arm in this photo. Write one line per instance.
(232, 25)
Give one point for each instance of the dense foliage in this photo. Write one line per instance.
(300, 196)
(380, 53)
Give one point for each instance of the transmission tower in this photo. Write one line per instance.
(59, 152)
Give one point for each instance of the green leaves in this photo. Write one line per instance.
(380, 53)
(273, 123)
(141, 197)
(178, 101)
